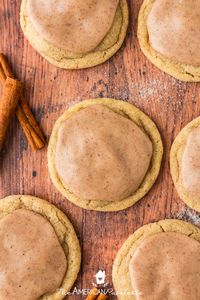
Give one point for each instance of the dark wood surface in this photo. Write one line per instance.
(50, 91)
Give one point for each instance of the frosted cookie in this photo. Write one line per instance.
(39, 250)
(159, 261)
(169, 36)
(75, 34)
(185, 164)
(104, 154)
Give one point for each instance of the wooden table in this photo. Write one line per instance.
(50, 91)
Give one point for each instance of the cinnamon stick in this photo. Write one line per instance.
(5, 66)
(27, 121)
(25, 126)
(2, 75)
(102, 297)
(8, 103)
(30, 118)
(93, 294)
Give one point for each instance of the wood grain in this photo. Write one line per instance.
(49, 90)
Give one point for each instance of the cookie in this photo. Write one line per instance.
(67, 59)
(138, 244)
(28, 210)
(101, 172)
(185, 170)
(173, 49)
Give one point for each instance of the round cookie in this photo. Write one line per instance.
(180, 70)
(143, 122)
(176, 155)
(68, 60)
(120, 273)
(64, 231)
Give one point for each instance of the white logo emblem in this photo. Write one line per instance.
(100, 277)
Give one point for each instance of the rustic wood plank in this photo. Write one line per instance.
(128, 76)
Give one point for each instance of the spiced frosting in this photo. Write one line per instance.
(77, 26)
(75, 34)
(104, 154)
(39, 250)
(173, 28)
(32, 261)
(166, 266)
(185, 164)
(159, 261)
(168, 33)
(190, 170)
